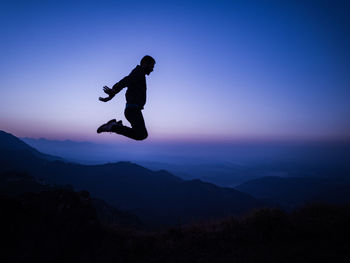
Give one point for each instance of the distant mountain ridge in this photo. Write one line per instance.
(156, 197)
(11, 145)
(292, 192)
(68, 149)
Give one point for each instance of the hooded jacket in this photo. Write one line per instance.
(136, 83)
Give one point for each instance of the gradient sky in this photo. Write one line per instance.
(226, 70)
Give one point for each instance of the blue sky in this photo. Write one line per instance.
(226, 70)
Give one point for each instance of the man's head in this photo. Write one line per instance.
(147, 63)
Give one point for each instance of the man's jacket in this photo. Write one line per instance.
(136, 83)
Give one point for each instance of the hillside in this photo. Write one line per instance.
(20, 186)
(61, 226)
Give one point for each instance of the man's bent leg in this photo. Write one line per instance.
(138, 129)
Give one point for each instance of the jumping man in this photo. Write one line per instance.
(135, 100)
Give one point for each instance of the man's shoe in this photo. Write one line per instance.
(117, 125)
(107, 127)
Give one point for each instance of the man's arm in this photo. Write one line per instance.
(115, 89)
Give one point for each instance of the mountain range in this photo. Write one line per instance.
(159, 197)
(156, 197)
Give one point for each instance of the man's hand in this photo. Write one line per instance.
(105, 99)
(108, 91)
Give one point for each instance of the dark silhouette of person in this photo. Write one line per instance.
(135, 101)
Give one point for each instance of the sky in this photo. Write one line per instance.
(225, 70)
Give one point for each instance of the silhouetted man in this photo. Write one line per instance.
(135, 101)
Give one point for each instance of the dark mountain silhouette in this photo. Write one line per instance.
(291, 192)
(156, 197)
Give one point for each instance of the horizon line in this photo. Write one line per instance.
(192, 140)
(210, 141)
